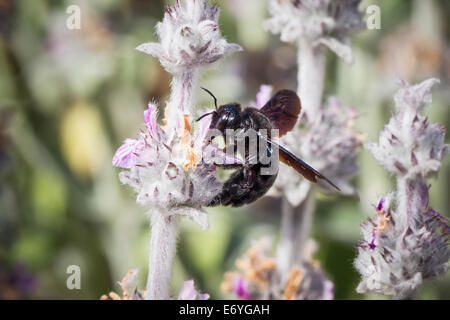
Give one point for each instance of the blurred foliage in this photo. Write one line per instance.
(68, 98)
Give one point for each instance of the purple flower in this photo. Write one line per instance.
(409, 144)
(171, 171)
(240, 289)
(188, 292)
(189, 36)
(130, 292)
(408, 243)
(259, 277)
(320, 22)
(126, 156)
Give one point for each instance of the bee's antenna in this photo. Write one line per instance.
(210, 93)
(204, 115)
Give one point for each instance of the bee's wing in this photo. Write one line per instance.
(298, 164)
(283, 110)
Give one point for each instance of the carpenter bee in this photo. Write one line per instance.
(247, 184)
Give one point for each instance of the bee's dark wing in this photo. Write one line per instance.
(298, 164)
(302, 167)
(283, 110)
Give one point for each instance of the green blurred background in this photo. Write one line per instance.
(68, 98)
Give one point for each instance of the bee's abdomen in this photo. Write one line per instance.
(237, 192)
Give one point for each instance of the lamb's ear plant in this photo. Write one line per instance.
(130, 292)
(407, 242)
(164, 164)
(324, 137)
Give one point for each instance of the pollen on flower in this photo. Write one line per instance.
(158, 166)
(258, 276)
(111, 296)
(185, 136)
(293, 284)
(187, 292)
(191, 160)
(125, 284)
(227, 284)
(166, 116)
(255, 268)
(186, 141)
(187, 125)
(383, 219)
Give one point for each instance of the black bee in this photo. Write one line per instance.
(247, 184)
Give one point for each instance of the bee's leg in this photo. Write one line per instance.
(249, 177)
(235, 189)
(230, 166)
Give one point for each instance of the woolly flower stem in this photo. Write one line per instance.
(295, 225)
(311, 74)
(183, 93)
(296, 221)
(406, 189)
(165, 228)
(162, 251)
(408, 197)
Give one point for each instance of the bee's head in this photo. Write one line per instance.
(227, 117)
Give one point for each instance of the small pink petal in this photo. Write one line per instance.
(380, 203)
(125, 156)
(188, 292)
(150, 119)
(240, 289)
(328, 292)
(204, 296)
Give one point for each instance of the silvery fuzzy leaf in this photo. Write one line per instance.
(197, 215)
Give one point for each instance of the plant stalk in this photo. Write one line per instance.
(296, 221)
(295, 227)
(162, 251)
(311, 75)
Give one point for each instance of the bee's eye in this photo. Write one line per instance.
(224, 117)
